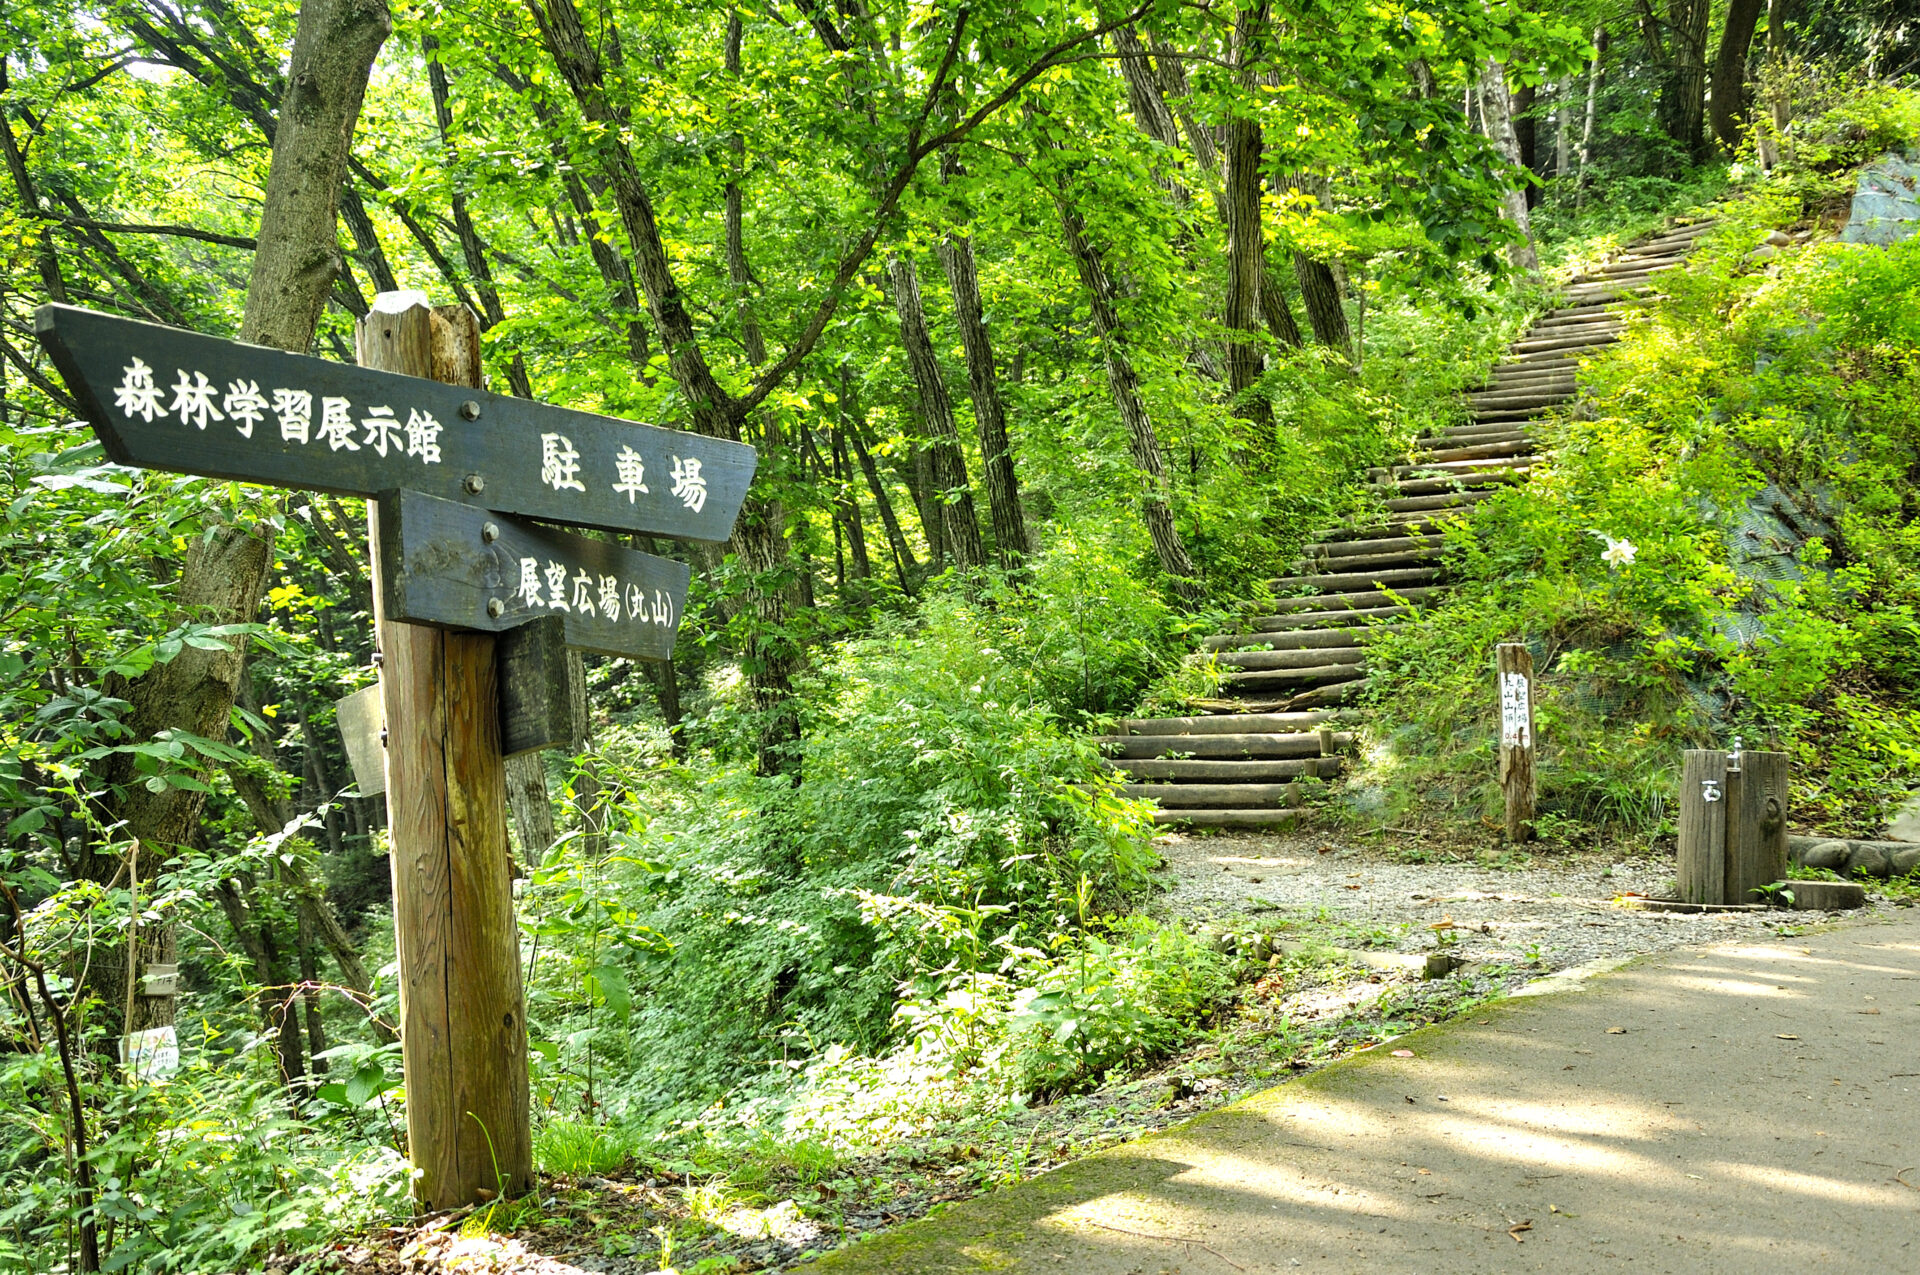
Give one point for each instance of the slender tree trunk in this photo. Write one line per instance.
(1526, 133)
(1498, 108)
(738, 275)
(1563, 133)
(950, 497)
(855, 430)
(990, 414)
(1593, 105)
(532, 807)
(847, 505)
(472, 250)
(1124, 384)
(1246, 243)
(1729, 105)
(1683, 93)
(45, 257)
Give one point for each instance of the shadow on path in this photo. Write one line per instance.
(1747, 1108)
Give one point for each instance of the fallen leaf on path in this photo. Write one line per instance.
(1616, 1031)
(1518, 1227)
(1785, 1036)
(1403, 1053)
(1866, 1011)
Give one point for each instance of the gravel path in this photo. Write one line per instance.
(1552, 912)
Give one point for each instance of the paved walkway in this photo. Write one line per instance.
(1745, 1108)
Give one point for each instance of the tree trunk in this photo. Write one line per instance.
(738, 275)
(1320, 293)
(294, 265)
(1729, 103)
(847, 505)
(471, 249)
(903, 564)
(1683, 93)
(1563, 133)
(1124, 384)
(950, 498)
(990, 414)
(1498, 108)
(532, 807)
(1593, 105)
(1527, 134)
(1246, 245)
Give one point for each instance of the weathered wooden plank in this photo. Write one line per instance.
(1700, 860)
(463, 1028)
(361, 723)
(164, 398)
(538, 706)
(1756, 807)
(455, 566)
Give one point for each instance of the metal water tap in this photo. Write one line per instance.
(1733, 757)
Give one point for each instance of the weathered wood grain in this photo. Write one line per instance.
(1756, 824)
(462, 1015)
(1700, 863)
(1514, 681)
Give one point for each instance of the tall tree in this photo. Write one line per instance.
(1727, 107)
(948, 497)
(294, 266)
(1498, 106)
(1246, 232)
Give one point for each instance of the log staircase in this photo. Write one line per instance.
(1288, 673)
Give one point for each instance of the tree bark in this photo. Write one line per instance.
(1527, 133)
(1010, 540)
(950, 497)
(1124, 384)
(847, 505)
(532, 807)
(472, 250)
(1246, 244)
(1593, 106)
(1684, 82)
(1320, 293)
(298, 255)
(1498, 108)
(855, 429)
(738, 275)
(1728, 107)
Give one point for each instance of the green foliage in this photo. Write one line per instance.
(1753, 439)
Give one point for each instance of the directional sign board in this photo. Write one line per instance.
(163, 398)
(446, 564)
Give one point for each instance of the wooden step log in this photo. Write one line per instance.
(1273, 818)
(1464, 435)
(1459, 484)
(1345, 604)
(1391, 561)
(1213, 796)
(1575, 325)
(1607, 309)
(1581, 341)
(1326, 549)
(1521, 444)
(1301, 622)
(1297, 639)
(1345, 581)
(1206, 773)
(1304, 724)
(1328, 695)
(1128, 749)
(1640, 265)
(1272, 679)
(1310, 658)
(1445, 468)
(1552, 378)
(1379, 527)
(1450, 500)
(1521, 399)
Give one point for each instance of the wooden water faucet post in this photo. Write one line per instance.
(462, 1010)
(1514, 664)
(1733, 824)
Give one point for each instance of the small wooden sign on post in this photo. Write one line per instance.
(1514, 670)
(474, 609)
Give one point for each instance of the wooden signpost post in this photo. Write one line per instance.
(1514, 669)
(473, 609)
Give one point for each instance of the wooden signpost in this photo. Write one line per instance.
(474, 609)
(1514, 669)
